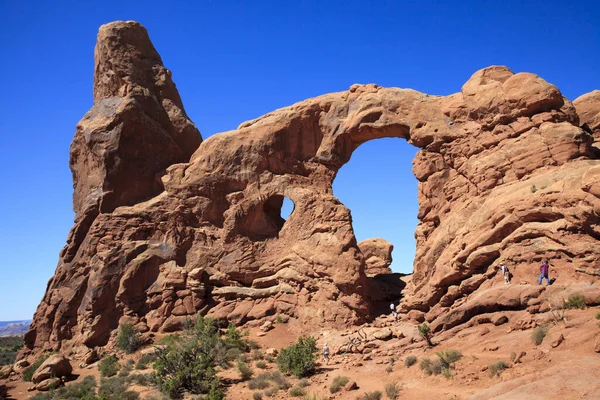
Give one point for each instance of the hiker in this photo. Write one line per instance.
(394, 313)
(326, 354)
(544, 268)
(505, 273)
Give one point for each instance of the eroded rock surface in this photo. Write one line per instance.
(378, 256)
(505, 175)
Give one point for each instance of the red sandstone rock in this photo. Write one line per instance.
(55, 366)
(505, 175)
(378, 256)
(588, 109)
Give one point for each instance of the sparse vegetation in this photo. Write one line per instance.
(129, 339)
(261, 364)
(449, 357)
(84, 390)
(533, 189)
(338, 383)
(389, 369)
(109, 366)
(496, 368)
(278, 319)
(257, 355)
(426, 366)
(575, 301)
(296, 391)
(29, 371)
(447, 373)
(410, 361)
(257, 396)
(244, 370)
(303, 383)
(392, 390)
(513, 356)
(598, 316)
(538, 335)
(145, 360)
(425, 332)
(116, 389)
(376, 395)
(9, 347)
(299, 358)
(274, 381)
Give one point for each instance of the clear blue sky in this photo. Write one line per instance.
(233, 61)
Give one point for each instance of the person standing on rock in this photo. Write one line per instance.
(544, 269)
(394, 313)
(505, 273)
(326, 354)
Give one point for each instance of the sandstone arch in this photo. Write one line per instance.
(481, 151)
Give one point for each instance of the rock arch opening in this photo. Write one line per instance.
(265, 219)
(379, 188)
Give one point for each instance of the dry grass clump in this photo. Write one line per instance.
(338, 383)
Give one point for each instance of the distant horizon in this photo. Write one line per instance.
(233, 62)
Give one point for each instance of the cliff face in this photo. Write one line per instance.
(167, 227)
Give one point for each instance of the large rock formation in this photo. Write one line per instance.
(505, 175)
(377, 253)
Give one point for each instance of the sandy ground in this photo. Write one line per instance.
(569, 371)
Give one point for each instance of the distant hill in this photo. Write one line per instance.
(8, 328)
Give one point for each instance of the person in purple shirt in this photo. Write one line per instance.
(544, 272)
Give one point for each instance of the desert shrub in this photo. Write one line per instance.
(278, 319)
(425, 332)
(169, 339)
(272, 391)
(270, 359)
(338, 383)
(233, 354)
(392, 390)
(234, 338)
(299, 358)
(410, 360)
(575, 301)
(296, 391)
(376, 395)
(513, 356)
(129, 339)
(598, 316)
(145, 360)
(279, 380)
(9, 347)
(257, 396)
(244, 370)
(258, 355)
(533, 189)
(126, 369)
(438, 366)
(84, 390)
(389, 369)
(426, 366)
(303, 383)
(259, 382)
(189, 363)
(243, 358)
(29, 371)
(495, 368)
(314, 397)
(261, 364)
(109, 366)
(141, 379)
(116, 389)
(538, 335)
(447, 373)
(449, 357)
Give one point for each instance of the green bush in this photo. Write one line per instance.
(129, 339)
(109, 366)
(447, 373)
(338, 383)
(145, 360)
(496, 368)
(260, 382)
(236, 339)
(189, 363)
(425, 332)
(539, 334)
(449, 357)
(410, 360)
(29, 371)
(392, 390)
(426, 366)
(116, 389)
(296, 391)
(261, 364)
(244, 370)
(376, 395)
(9, 347)
(575, 301)
(299, 358)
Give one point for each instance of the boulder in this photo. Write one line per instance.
(351, 385)
(56, 365)
(499, 319)
(378, 256)
(48, 384)
(5, 371)
(557, 341)
(271, 352)
(383, 334)
(267, 326)
(20, 366)
(519, 357)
